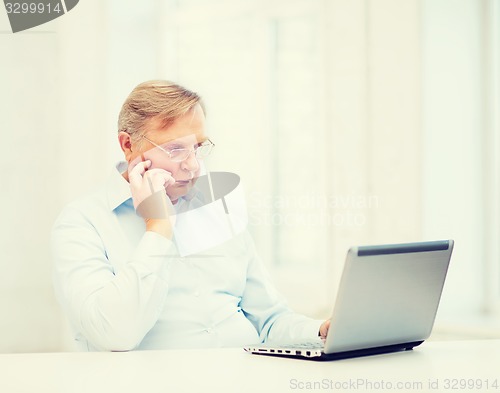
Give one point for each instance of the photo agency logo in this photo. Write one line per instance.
(24, 15)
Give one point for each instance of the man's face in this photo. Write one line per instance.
(185, 133)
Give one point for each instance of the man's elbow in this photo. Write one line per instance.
(117, 342)
(113, 330)
(118, 337)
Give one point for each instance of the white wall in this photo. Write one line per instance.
(459, 181)
(29, 167)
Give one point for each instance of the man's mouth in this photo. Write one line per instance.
(182, 182)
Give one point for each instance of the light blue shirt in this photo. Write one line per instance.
(125, 288)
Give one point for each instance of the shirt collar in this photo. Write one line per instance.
(118, 188)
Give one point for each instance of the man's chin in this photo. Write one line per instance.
(179, 193)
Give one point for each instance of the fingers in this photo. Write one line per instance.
(148, 190)
(158, 179)
(324, 328)
(135, 175)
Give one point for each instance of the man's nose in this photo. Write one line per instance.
(191, 163)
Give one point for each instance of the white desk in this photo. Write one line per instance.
(233, 370)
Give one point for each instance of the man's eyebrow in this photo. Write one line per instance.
(182, 143)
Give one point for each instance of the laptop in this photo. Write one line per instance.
(387, 301)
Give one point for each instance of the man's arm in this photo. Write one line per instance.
(113, 308)
(266, 308)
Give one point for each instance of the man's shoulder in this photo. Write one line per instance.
(88, 204)
(101, 199)
(96, 197)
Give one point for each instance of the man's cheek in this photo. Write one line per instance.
(158, 160)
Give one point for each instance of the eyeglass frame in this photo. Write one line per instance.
(169, 153)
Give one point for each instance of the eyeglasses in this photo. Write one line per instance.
(201, 150)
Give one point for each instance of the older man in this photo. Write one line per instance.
(118, 273)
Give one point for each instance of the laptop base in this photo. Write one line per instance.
(346, 354)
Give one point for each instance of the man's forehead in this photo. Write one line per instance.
(163, 135)
(167, 137)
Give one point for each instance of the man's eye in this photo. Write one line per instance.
(173, 147)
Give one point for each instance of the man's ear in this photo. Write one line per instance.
(125, 144)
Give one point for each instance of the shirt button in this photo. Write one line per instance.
(208, 330)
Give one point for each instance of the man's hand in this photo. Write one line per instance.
(323, 329)
(150, 199)
(144, 183)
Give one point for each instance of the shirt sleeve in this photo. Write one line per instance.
(268, 311)
(113, 309)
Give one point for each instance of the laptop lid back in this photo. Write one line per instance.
(388, 295)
